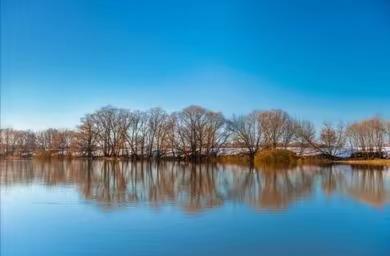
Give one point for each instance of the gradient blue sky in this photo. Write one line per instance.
(319, 60)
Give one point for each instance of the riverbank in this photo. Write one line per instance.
(269, 157)
(284, 157)
(383, 162)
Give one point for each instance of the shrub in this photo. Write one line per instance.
(43, 154)
(275, 157)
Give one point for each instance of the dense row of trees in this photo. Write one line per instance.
(193, 133)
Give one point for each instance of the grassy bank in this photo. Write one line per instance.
(281, 157)
(385, 162)
(271, 157)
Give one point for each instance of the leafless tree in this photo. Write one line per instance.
(214, 132)
(332, 138)
(306, 135)
(9, 141)
(199, 132)
(190, 122)
(193, 133)
(277, 128)
(135, 132)
(367, 136)
(388, 133)
(110, 129)
(62, 142)
(157, 121)
(87, 136)
(46, 140)
(246, 131)
(289, 132)
(28, 142)
(172, 138)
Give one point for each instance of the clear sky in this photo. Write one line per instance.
(319, 60)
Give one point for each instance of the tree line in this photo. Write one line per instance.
(194, 133)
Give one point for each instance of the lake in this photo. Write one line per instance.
(122, 208)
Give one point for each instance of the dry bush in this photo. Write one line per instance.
(43, 154)
(275, 157)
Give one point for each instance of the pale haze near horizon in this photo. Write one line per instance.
(322, 62)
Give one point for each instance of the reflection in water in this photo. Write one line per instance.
(368, 186)
(194, 187)
(366, 183)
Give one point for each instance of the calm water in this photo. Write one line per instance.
(107, 208)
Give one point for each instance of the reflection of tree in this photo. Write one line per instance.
(107, 185)
(331, 178)
(201, 188)
(368, 186)
(366, 183)
(273, 189)
(282, 187)
(195, 187)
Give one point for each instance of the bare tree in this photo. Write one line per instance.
(289, 132)
(276, 126)
(156, 130)
(46, 140)
(305, 134)
(27, 142)
(87, 136)
(377, 133)
(172, 142)
(190, 122)
(193, 133)
(214, 133)
(388, 133)
(367, 136)
(332, 138)
(110, 123)
(9, 141)
(246, 131)
(62, 142)
(199, 132)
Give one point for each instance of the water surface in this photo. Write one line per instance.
(123, 208)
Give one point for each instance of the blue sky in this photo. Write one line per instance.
(319, 60)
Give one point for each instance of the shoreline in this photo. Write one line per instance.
(234, 159)
(382, 162)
